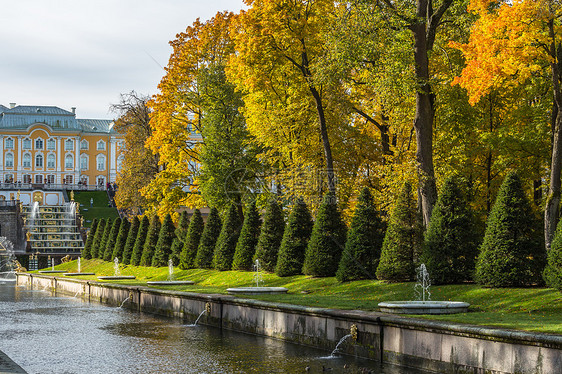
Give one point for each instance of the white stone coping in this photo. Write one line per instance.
(169, 283)
(116, 277)
(424, 307)
(256, 290)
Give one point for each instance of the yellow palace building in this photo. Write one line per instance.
(48, 148)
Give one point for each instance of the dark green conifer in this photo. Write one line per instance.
(451, 240)
(246, 245)
(295, 239)
(121, 239)
(177, 245)
(362, 251)
(183, 225)
(512, 253)
(191, 241)
(151, 240)
(87, 251)
(111, 239)
(100, 229)
(226, 243)
(553, 271)
(271, 234)
(131, 238)
(105, 238)
(139, 241)
(403, 240)
(206, 249)
(327, 240)
(166, 237)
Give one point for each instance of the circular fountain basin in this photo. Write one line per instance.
(77, 274)
(169, 283)
(256, 290)
(424, 307)
(116, 277)
(51, 271)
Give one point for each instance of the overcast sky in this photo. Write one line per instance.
(83, 54)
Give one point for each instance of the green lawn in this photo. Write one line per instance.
(99, 209)
(531, 309)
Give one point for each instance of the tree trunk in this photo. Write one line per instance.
(325, 140)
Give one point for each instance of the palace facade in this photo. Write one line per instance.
(46, 147)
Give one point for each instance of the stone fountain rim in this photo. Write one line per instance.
(424, 307)
(116, 277)
(256, 290)
(169, 283)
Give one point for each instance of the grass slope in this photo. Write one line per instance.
(530, 309)
(99, 209)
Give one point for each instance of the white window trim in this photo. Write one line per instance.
(100, 145)
(54, 142)
(42, 141)
(23, 160)
(23, 143)
(71, 164)
(6, 160)
(6, 142)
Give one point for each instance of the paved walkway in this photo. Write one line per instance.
(7, 366)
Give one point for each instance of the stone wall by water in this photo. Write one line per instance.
(431, 345)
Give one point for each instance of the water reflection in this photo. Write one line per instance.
(46, 334)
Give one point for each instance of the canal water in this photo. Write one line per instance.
(64, 335)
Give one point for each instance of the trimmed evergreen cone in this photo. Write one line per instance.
(183, 225)
(87, 251)
(111, 239)
(451, 240)
(327, 241)
(139, 241)
(151, 240)
(131, 238)
(164, 245)
(191, 241)
(105, 238)
(121, 239)
(177, 245)
(403, 240)
(360, 257)
(295, 239)
(97, 238)
(512, 253)
(206, 249)
(270, 237)
(226, 243)
(246, 246)
(553, 271)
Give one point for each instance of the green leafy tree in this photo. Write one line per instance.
(87, 251)
(105, 238)
(451, 241)
(183, 225)
(327, 240)
(121, 240)
(211, 232)
(131, 238)
(403, 240)
(553, 271)
(164, 245)
(97, 238)
(226, 243)
(295, 239)
(151, 240)
(191, 241)
(271, 235)
(246, 246)
(111, 240)
(139, 241)
(512, 253)
(362, 251)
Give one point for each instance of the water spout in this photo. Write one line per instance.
(170, 270)
(130, 297)
(258, 276)
(79, 266)
(423, 283)
(333, 354)
(116, 270)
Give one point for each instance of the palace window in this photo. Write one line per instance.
(27, 160)
(68, 179)
(27, 178)
(84, 162)
(68, 144)
(69, 162)
(120, 162)
(39, 161)
(51, 161)
(38, 143)
(9, 143)
(50, 179)
(51, 144)
(100, 161)
(38, 179)
(9, 178)
(84, 144)
(101, 145)
(9, 160)
(26, 143)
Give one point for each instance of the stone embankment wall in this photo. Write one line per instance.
(435, 346)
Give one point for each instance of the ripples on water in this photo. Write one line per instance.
(60, 335)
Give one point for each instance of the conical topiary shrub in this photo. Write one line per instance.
(112, 239)
(164, 245)
(206, 249)
(271, 234)
(131, 238)
(402, 241)
(177, 245)
(246, 245)
(87, 251)
(151, 240)
(360, 257)
(327, 240)
(226, 243)
(553, 271)
(191, 241)
(183, 225)
(121, 239)
(512, 253)
(97, 238)
(139, 241)
(451, 240)
(295, 240)
(105, 238)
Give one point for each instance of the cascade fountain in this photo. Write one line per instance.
(7, 262)
(258, 279)
(116, 273)
(171, 278)
(423, 304)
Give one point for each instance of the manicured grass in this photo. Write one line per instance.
(531, 309)
(99, 208)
